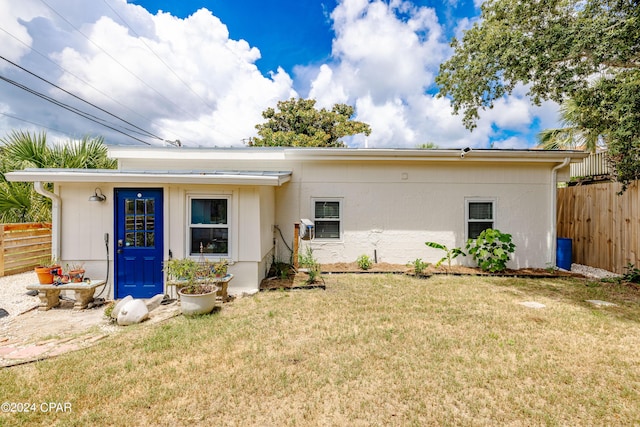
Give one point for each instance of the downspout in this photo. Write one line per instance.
(554, 214)
(56, 204)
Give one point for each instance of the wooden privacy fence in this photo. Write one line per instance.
(595, 164)
(604, 226)
(23, 246)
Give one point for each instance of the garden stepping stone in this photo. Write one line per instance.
(601, 303)
(532, 304)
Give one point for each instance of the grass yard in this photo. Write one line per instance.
(368, 350)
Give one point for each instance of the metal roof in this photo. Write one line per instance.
(235, 177)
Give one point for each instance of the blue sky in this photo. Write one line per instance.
(203, 71)
(287, 32)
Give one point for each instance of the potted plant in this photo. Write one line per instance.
(46, 269)
(220, 268)
(195, 285)
(75, 272)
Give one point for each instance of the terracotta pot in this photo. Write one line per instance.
(45, 274)
(76, 276)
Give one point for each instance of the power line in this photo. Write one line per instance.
(74, 75)
(125, 68)
(69, 108)
(149, 134)
(158, 56)
(36, 124)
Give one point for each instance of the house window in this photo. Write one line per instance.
(480, 216)
(140, 222)
(209, 226)
(327, 218)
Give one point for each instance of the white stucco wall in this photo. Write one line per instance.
(393, 206)
(390, 206)
(391, 209)
(252, 211)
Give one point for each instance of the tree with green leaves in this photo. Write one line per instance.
(297, 123)
(584, 50)
(571, 136)
(427, 146)
(19, 202)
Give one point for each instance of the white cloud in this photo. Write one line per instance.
(386, 56)
(382, 56)
(179, 78)
(511, 143)
(206, 89)
(12, 49)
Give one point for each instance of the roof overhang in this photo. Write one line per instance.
(265, 178)
(437, 155)
(259, 154)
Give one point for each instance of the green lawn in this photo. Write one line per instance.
(368, 350)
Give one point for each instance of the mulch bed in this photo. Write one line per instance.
(458, 270)
(299, 280)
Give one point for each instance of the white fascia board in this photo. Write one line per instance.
(377, 154)
(155, 177)
(259, 154)
(175, 153)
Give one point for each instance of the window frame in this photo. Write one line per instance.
(467, 220)
(228, 226)
(340, 202)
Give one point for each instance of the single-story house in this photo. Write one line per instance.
(242, 204)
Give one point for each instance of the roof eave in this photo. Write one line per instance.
(65, 175)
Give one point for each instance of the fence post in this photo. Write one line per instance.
(1, 250)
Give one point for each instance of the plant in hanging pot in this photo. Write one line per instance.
(196, 289)
(46, 270)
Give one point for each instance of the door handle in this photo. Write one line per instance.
(119, 251)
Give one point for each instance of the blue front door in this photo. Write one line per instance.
(139, 242)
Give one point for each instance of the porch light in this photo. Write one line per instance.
(97, 197)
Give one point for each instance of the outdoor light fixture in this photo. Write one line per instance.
(97, 197)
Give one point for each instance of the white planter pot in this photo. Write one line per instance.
(197, 304)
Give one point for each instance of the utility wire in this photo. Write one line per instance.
(69, 108)
(36, 124)
(142, 131)
(125, 68)
(74, 75)
(158, 56)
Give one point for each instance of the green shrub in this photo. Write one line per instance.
(311, 264)
(364, 262)
(450, 254)
(419, 266)
(491, 250)
(632, 274)
(307, 260)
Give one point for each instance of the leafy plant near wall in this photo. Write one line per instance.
(632, 274)
(307, 261)
(491, 250)
(364, 262)
(419, 266)
(450, 254)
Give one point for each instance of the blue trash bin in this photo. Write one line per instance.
(563, 253)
